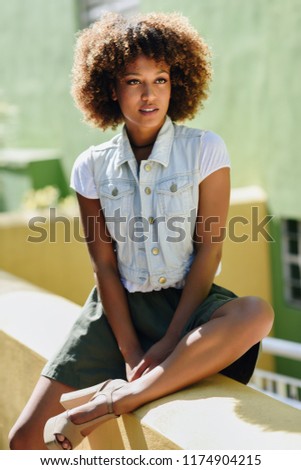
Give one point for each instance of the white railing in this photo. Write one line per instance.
(282, 348)
(281, 387)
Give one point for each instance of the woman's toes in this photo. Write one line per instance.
(63, 442)
(66, 445)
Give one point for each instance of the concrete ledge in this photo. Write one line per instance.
(36, 318)
(33, 323)
(217, 413)
(223, 414)
(20, 368)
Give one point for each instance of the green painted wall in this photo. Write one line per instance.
(255, 94)
(287, 319)
(255, 102)
(36, 44)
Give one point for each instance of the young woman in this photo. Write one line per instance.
(153, 202)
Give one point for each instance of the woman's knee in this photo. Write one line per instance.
(261, 313)
(254, 314)
(19, 438)
(26, 435)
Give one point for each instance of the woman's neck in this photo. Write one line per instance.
(142, 153)
(142, 137)
(144, 146)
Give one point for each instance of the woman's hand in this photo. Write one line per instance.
(153, 357)
(131, 362)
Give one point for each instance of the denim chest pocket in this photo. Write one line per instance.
(175, 196)
(116, 197)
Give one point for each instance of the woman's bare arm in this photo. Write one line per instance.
(111, 290)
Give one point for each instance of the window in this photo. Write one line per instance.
(291, 240)
(91, 10)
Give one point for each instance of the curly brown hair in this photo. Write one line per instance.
(105, 48)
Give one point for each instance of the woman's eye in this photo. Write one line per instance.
(133, 82)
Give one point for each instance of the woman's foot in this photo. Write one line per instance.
(66, 431)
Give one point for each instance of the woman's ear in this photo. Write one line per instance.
(113, 93)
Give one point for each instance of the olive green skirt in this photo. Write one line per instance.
(91, 354)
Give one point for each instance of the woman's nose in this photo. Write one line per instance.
(148, 92)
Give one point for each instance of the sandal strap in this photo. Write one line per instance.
(110, 404)
(110, 401)
(108, 394)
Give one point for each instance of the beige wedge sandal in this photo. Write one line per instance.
(61, 424)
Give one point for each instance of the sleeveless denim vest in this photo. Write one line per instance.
(151, 213)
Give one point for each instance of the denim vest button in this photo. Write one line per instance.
(147, 190)
(151, 220)
(147, 167)
(162, 280)
(173, 188)
(155, 251)
(114, 192)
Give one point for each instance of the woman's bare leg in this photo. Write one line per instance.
(27, 433)
(232, 331)
(234, 328)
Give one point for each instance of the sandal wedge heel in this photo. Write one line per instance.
(62, 424)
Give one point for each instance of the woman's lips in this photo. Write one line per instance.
(148, 110)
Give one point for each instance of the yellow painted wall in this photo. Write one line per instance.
(59, 264)
(246, 266)
(246, 259)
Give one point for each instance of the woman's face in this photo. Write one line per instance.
(143, 93)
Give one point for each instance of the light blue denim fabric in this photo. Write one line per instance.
(150, 213)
